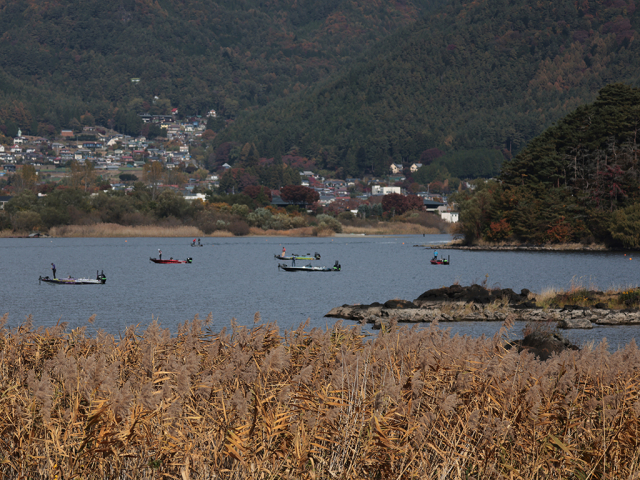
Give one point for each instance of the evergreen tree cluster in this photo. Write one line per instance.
(579, 181)
(488, 74)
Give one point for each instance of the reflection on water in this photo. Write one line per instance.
(237, 277)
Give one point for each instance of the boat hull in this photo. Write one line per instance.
(305, 269)
(74, 281)
(304, 258)
(309, 268)
(439, 262)
(170, 261)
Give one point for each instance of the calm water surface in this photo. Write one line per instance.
(237, 277)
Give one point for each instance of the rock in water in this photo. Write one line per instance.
(543, 344)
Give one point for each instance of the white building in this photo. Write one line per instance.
(380, 190)
(450, 217)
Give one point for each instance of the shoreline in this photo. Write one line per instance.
(561, 247)
(112, 230)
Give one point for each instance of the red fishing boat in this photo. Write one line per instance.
(171, 260)
(439, 261)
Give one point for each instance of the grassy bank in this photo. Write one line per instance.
(615, 298)
(113, 230)
(251, 404)
(107, 230)
(391, 228)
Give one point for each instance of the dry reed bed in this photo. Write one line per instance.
(106, 230)
(249, 403)
(392, 228)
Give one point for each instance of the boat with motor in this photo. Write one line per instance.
(295, 256)
(440, 261)
(171, 260)
(99, 280)
(310, 268)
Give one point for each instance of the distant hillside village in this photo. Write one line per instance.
(118, 161)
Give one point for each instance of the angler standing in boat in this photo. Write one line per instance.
(53, 269)
(284, 251)
(159, 254)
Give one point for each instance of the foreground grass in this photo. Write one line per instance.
(249, 403)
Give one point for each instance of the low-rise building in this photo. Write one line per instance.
(384, 190)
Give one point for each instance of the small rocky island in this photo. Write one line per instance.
(578, 309)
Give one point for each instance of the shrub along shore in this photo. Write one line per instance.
(308, 404)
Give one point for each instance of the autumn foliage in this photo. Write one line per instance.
(299, 194)
(399, 204)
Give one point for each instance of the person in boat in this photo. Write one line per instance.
(198, 242)
(293, 261)
(284, 251)
(435, 255)
(53, 269)
(159, 254)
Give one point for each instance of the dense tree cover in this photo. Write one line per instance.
(468, 164)
(67, 63)
(398, 204)
(299, 194)
(237, 179)
(578, 181)
(488, 74)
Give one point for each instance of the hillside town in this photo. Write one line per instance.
(118, 160)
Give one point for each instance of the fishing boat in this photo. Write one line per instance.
(309, 268)
(295, 256)
(439, 261)
(99, 280)
(171, 260)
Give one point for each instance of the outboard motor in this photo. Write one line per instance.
(189, 260)
(317, 256)
(337, 266)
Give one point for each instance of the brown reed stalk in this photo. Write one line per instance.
(252, 403)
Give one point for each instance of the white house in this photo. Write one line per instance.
(450, 217)
(415, 167)
(395, 168)
(382, 190)
(195, 196)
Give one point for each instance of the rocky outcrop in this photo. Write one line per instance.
(542, 344)
(474, 293)
(474, 303)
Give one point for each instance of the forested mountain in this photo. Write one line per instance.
(578, 181)
(479, 74)
(60, 60)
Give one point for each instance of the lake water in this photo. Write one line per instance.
(237, 277)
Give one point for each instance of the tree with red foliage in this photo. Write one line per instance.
(400, 204)
(259, 193)
(299, 194)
